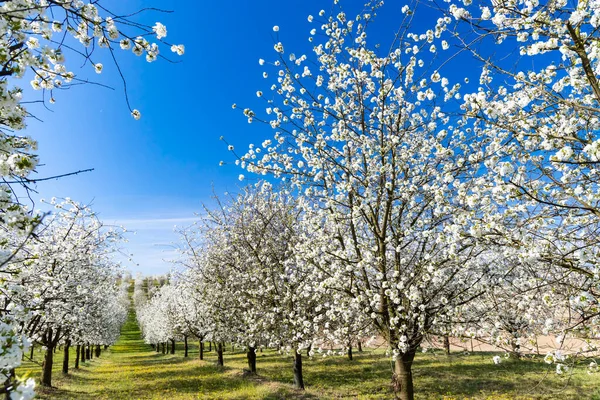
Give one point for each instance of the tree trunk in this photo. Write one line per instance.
(516, 349)
(298, 379)
(65, 368)
(251, 355)
(83, 353)
(209, 346)
(91, 346)
(402, 380)
(201, 350)
(185, 346)
(87, 352)
(105, 347)
(33, 344)
(98, 351)
(77, 355)
(47, 364)
(220, 354)
(163, 348)
(447, 344)
(350, 351)
(359, 346)
(172, 346)
(308, 350)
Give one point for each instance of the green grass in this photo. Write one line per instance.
(132, 370)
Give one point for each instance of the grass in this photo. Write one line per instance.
(132, 370)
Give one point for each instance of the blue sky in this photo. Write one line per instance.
(154, 173)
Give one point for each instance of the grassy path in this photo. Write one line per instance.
(132, 370)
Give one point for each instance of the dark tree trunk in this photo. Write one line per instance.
(359, 345)
(163, 348)
(105, 347)
(350, 351)
(83, 353)
(91, 346)
(31, 351)
(447, 344)
(87, 352)
(65, 368)
(298, 379)
(220, 354)
(98, 351)
(172, 346)
(308, 350)
(251, 355)
(47, 364)
(77, 355)
(185, 346)
(201, 346)
(402, 379)
(209, 346)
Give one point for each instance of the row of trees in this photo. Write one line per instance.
(70, 291)
(419, 198)
(57, 283)
(258, 274)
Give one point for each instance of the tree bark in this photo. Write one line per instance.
(402, 380)
(91, 347)
(87, 352)
(209, 346)
(83, 353)
(77, 355)
(163, 348)
(172, 346)
(31, 351)
(220, 354)
(98, 350)
(350, 351)
(447, 344)
(359, 346)
(251, 355)
(185, 346)
(201, 350)
(65, 366)
(47, 364)
(298, 378)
